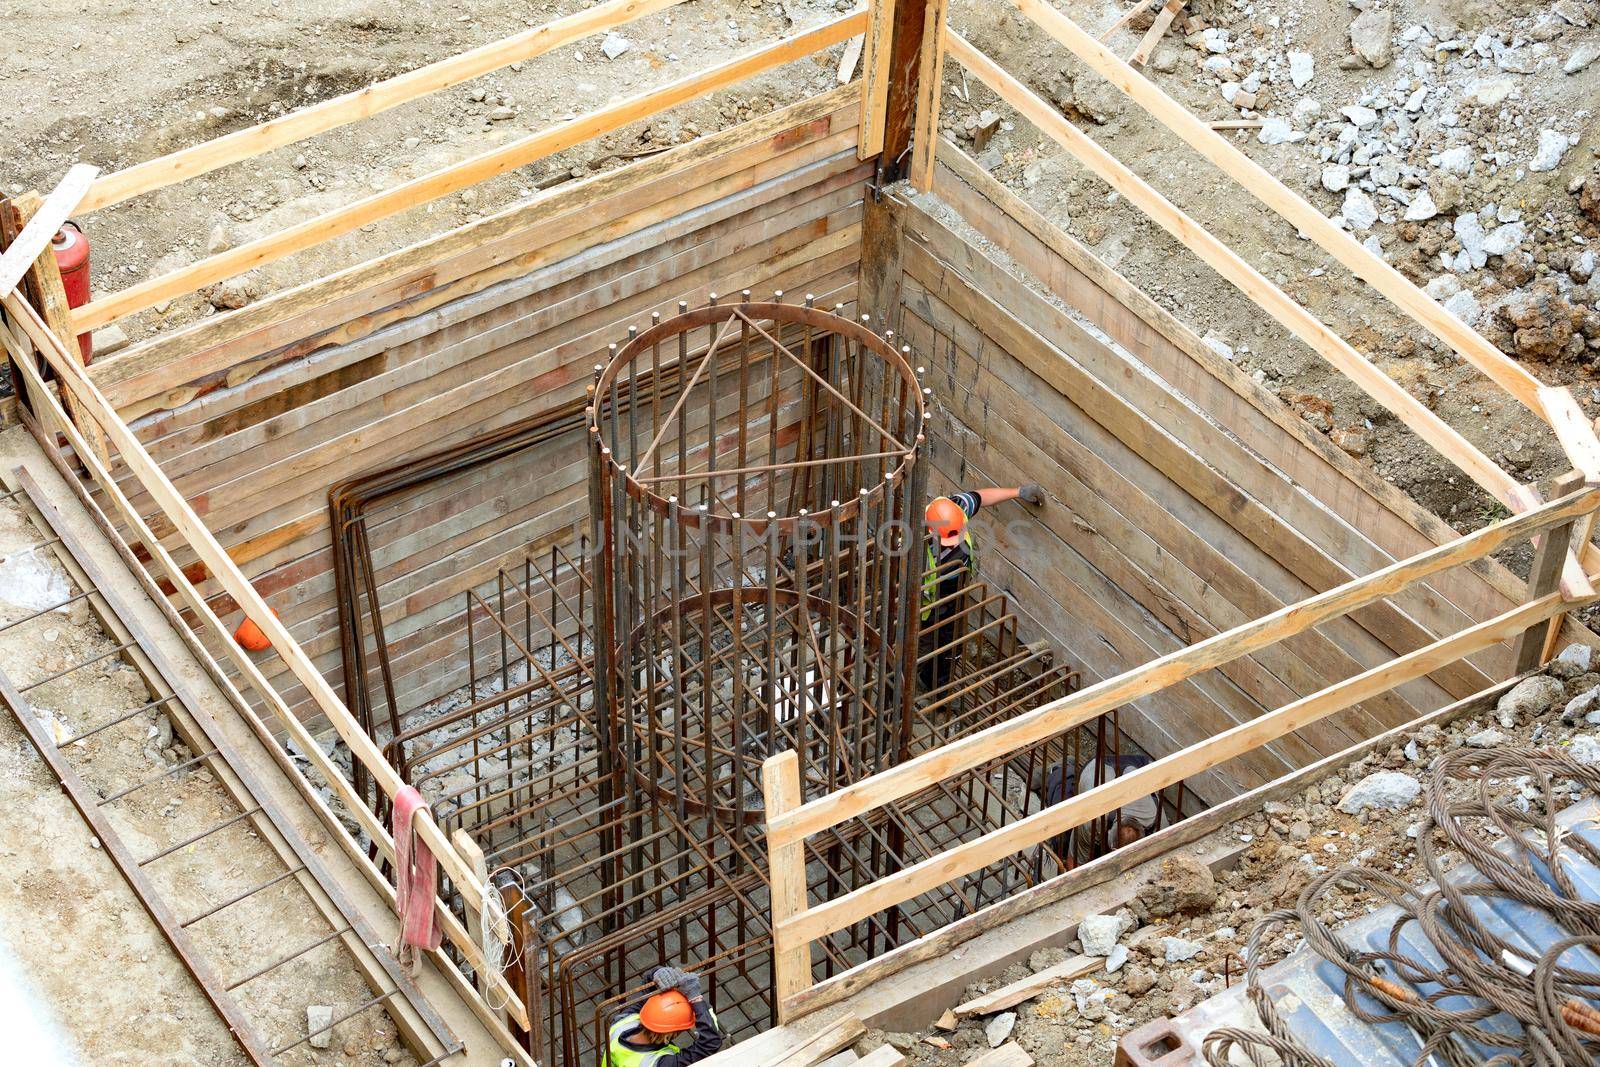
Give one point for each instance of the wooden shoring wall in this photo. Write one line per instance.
(1184, 499)
(256, 414)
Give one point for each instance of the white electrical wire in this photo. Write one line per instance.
(495, 922)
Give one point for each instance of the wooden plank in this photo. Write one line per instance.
(1349, 490)
(283, 318)
(361, 746)
(1572, 429)
(364, 103)
(1010, 996)
(1009, 1054)
(900, 108)
(827, 1041)
(879, 43)
(282, 382)
(962, 859)
(786, 865)
(976, 749)
(848, 61)
(1256, 180)
(1338, 352)
(462, 408)
(1158, 29)
(471, 171)
(930, 93)
(1126, 17)
(882, 1056)
(34, 240)
(1543, 580)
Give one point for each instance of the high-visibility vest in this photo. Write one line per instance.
(932, 575)
(620, 1055)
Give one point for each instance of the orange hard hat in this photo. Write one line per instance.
(946, 519)
(250, 637)
(667, 1013)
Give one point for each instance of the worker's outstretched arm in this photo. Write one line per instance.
(1032, 493)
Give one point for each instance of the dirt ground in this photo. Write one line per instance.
(1184, 935)
(74, 930)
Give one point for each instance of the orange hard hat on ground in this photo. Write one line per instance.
(946, 519)
(667, 1013)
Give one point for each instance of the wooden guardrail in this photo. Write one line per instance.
(797, 924)
(1554, 405)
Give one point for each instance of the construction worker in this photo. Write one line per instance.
(672, 1027)
(952, 561)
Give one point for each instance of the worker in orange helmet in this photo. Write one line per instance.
(952, 561)
(672, 1027)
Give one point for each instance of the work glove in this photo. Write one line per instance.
(1032, 493)
(684, 982)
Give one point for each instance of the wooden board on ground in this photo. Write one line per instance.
(1009, 1054)
(823, 1044)
(1028, 988)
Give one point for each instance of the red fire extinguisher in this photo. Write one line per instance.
(72, 257)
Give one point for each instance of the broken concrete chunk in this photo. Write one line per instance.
(1574, 660)
(1370, 36)
(1389, 790)
(1302, 68)
(1422, 207)
(1336, 178)
(998, 1030)
(1486, 739)
(1528, 698)
(1457, 160)
(1585, 748)
(614, 45)
(1580, 58)
(319, 1024)
(1552, 146)
(1359, 210)
(1178, 949)
(1183, 886)
(1099, 934)
(1275, 130)
(1464, 306)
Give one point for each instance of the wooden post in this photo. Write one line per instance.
(1537, 644)
(900, 100)
(929, 93)
(780, 786)
(522, 969)
(875, 76)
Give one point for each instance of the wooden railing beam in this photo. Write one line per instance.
(1288, 312)
(363, 103)
(1423, 309)
(963, 859)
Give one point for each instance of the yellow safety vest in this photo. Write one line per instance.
(620, 1055)
(931, 575)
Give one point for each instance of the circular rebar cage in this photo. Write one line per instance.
(754, 481)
